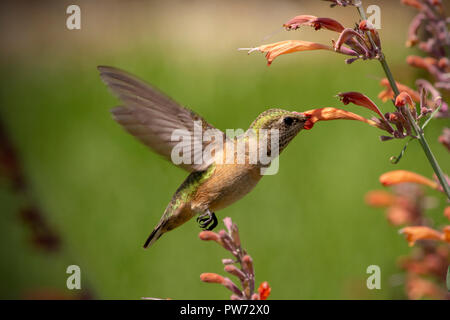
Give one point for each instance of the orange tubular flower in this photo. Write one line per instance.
(401, 210)
(398, 215)
(419, 288)
(301, 20)
(420, 233)
(313, 21)
(264, 290)
(413, 3)
(325, 114)
(447, 212)
(443, 63)
(402, 176)
(388, 94)
(379, 198)
(419, 62)
(360, 100)
(404, 99)
(273, 50)
(366, 26)
(446, 235)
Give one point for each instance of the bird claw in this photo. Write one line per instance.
(207, 220)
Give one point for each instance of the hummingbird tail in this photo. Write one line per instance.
(155, 235)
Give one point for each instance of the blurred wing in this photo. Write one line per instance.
(152, 117)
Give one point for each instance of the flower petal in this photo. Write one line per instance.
(273, 50)
(360, 100)
(325, 114)
(447, 212)
(389, 94)
(264, 290)
(422, 63)
(298, 21)
(420, 233)
(345, 36)
(421, 288)
(379, 198)
(413, 3)
(404, 99)
(328, 23)
(398, 215)
(313, 21)
(365, 25)
(402, 176)
(446, 235)
(413, 30)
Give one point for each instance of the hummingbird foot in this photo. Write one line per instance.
(207, 220)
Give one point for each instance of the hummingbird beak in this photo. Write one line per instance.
(301, 115)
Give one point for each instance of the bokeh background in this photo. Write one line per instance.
(100, 192)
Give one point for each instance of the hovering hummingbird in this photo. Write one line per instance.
(212, 185)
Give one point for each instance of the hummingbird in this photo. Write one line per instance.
(212, 185)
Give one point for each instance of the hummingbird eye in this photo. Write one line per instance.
(288, 121)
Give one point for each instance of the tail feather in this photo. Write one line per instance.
(155, 235)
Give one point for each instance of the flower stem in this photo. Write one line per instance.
(418, 131)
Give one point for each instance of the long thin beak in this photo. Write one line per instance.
(301, 114)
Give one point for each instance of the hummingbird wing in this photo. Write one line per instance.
(152, 117)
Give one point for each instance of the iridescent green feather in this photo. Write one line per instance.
(266, 118)
(188, 189)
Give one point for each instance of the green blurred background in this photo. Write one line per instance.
(307, 228)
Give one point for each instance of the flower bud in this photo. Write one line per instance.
(228, 261)
(212, 278)
(235, 271)
(247, 264)
(209, 235)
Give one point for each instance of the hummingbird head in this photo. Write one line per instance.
(288, 124)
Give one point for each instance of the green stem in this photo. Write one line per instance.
(418, 131)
